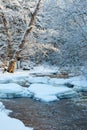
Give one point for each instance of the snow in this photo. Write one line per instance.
(12, 90)
(2, 109)
(20, 0)
(57, 81)
(28, 84)
(41, 87)
(80, 83)
(50, 93)
(44, 69)
(34, 79)
(7, 123)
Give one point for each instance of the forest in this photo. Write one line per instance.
(43, 64)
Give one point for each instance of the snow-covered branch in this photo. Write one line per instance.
(28, 30)
(6, 25)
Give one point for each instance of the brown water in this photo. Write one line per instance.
(60, 115)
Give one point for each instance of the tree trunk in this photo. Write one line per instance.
(12, 66)
(9, 49)
(28, 30)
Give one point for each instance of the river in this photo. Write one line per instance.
(66, 114)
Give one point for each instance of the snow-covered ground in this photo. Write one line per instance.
(7, 123)
(26, 84)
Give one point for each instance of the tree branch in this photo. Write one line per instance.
(28, 30)
(5, 23)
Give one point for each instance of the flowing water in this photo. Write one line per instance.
(65, 114)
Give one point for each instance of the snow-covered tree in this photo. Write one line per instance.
(58, 33)
(14, 56)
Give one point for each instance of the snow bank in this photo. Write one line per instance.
(2, 109)
(44, 69)
(7, 123)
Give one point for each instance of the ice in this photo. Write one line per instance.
(8, 77)
(43, 80)
(80, 86)
(57, 81)
(79, 82)
(39, 88)
(50, 93)
(12, 90)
